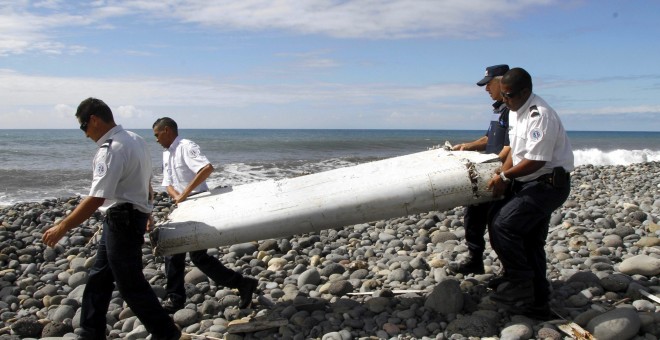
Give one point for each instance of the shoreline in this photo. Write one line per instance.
(8, 205)
(603, 249)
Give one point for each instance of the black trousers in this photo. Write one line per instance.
(119, 261)
(518, 231)
(476, 220)
(175, 270)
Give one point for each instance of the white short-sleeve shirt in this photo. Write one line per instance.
(122, 169)
(181, 163)
(536, 133)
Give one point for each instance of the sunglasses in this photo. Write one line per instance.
(83, 126)
(509, 95)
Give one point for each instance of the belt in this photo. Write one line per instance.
(125, 207)
(548, 178)
(122, 207)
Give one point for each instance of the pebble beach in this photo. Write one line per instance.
(385, 279)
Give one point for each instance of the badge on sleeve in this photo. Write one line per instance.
(100, 169)
(193, 152)
(536, 134)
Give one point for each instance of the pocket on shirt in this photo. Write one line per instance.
(521, 135)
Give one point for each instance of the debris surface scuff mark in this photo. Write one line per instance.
(474, 178)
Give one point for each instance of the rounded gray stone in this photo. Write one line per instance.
(619, 323)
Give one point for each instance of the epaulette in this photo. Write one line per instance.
(534, 111)
(107, 143)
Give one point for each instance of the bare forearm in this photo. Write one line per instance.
(504, 154)
(477, 145)
(525, 167)
(200, 177)
(172, 192)
(82, 212)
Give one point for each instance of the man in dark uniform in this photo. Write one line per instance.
(496, 140)
(535, 180)
(121, 184)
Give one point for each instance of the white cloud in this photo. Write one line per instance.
(20, 89)
(312, 59)
(129, 111)
(142, 99)
(29, 118)
(63, 111)
(51, 4)
(614, 110)
(31, 101)
(320, 63)
(371, 19)
(138, 53)
(26, 26)
(22, 31)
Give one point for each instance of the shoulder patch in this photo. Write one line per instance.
(536, 134)
(107, 143)
(534, 111)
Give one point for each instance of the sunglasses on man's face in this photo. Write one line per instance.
(509, 95)
(83, 126)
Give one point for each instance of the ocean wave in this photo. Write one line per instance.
(243, 173)
(35, 185)
(597, 157)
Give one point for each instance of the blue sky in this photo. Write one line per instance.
(381, 64)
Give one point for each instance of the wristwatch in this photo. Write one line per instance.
(503, 178)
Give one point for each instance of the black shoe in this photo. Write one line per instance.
(245, 290)
(538, 312)
(473, 265)
(514, 293)
(496, 282)
(172, 305)
(175, 336)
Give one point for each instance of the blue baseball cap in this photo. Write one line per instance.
(492, 72)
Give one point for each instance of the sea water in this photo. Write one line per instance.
(40, 164)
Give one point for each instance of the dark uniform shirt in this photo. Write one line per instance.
(498, 134)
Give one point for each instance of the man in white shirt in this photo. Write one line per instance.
(535, 181)
(121, 181)
(185, 170)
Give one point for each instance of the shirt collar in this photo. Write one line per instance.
(525, 107)
(175, 143)
(109, 134)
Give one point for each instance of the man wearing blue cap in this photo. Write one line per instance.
(496, 140)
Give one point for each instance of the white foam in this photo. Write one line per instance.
(241, 173)
(597, 157)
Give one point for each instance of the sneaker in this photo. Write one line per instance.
(473, 265)
(246, 289)
(172, 305)
(514, 292)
